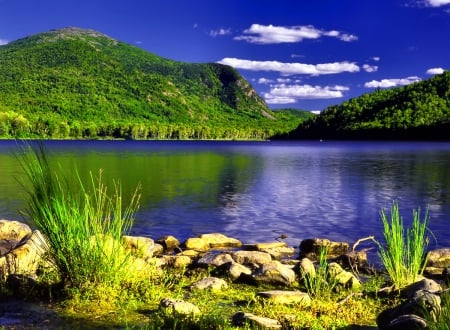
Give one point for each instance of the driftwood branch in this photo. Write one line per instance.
(372, 238)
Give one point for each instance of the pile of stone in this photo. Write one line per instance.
(275, 263)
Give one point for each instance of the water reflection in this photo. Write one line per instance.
(258, 191)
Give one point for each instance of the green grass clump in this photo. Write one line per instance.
(83, 224)
(404, 254)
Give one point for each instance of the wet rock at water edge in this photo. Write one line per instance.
(218, 240)
(196, 244)
(310, 248)
(169, 242)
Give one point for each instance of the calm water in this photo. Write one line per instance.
(256, 191)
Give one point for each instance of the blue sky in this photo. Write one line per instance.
(296, 53)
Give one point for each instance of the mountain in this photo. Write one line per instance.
(420, 111)
(77, 83)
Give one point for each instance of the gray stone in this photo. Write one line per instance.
(307, 267)
(280, 252)
(240, 319)
(425, 284)
(262, 246)
(211, 283)
(286, 297)
(215, 259)
(407, 322)
(234, 270)
(274, 273)
(252, 257)
(177, 261)
(343, 277)
(179, 307)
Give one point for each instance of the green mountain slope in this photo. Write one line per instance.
(80, 83)
(416, 111)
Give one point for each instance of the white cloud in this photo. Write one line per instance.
(3, 42)
(220, 32)
(370, 68)
(291, 68)
(284, 94)
(387, 83)
(270, 34)
(376, 58)
(433, 71)
(264, 81)
(437, 3)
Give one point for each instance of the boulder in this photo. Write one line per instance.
(342, 277)
(197, 244)
(240, 319)
(286, 297)
(176, 261)
(217, 240)
(169, 242)
(274, 272)
(251, 257)
(306, 267)
(142, 247)
(280, 253)
(179, 307)
(262, 246)
(439, 258)
(423, 302)
(234, 270)
(311, 248)
(214, 259)
(14, 230)
(211, 283)
(25, 259)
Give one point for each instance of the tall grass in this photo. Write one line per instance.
(405, 253)
(321, 281)
(83, 223)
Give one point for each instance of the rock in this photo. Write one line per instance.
(177, 261)
(212, 283)
(353, 259)
(197, 244)
(306, 267)
(240, 319)
(439, 258)
(281, 252)
(286, 297)
(261, 246)
(217, 240)
(7, 246)
(310, 248)
(234, 270)
(25, 259)
(407, 322)
(252, 257)
(142, 247)
(423, 301)
(274, 273)
(426, 285)
(179, 307)
(343, 277)
(169, 242)
(215, 259)
(189, 253)
(14, 230)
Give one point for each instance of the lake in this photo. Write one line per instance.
(257, 191)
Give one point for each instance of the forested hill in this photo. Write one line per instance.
(417, 111)
(76, 83)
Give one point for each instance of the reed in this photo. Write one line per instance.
(322, 280)
(83, 223)
(404, 254)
